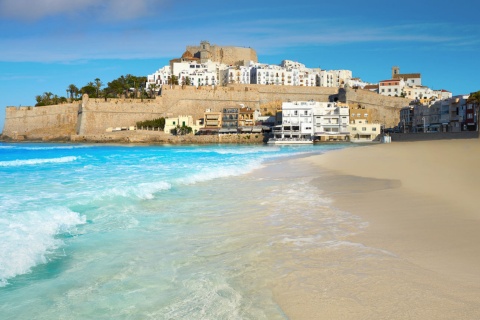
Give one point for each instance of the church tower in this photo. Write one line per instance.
(395, 71)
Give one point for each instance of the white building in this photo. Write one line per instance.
(393, 88)
(311, 120)
(288, 73)
(159, 78)
(333, 78)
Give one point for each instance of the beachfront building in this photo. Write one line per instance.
(447, 115)
(331, 121)
(362, 131)
(212, 121)
(172, 123)
(310, 120)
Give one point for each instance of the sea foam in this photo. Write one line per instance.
(30, 162)
(29, 238)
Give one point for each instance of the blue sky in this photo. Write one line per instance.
(45, 45)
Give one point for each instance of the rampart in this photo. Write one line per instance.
(93, 116)
(382, 109)
(223, 54)
(57, 120)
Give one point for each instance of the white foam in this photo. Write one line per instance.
(30, 162)
(210, 173)
(142, 191)
(45, 147)
(29, 237)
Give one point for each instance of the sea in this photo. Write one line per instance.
(156, 232)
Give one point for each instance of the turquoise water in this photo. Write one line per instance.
(151, 232)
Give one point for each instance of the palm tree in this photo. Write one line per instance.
(47, 97)
(153, 89)
(98, 85)
(73, 90)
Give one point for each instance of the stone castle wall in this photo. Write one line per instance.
(382, 109)
(94, 116)
(97, 115)
(48, 120)
(223, 54)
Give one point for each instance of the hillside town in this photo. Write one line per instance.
(213, 90)
(425, 110)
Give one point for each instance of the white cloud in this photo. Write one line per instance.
(104, 9)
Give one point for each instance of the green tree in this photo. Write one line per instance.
(474, 99)
(89, 89)
(154, 123)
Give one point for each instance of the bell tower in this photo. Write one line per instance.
(395, 71)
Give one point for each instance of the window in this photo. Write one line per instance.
(354, 128)
(364, 129)
(374, 129)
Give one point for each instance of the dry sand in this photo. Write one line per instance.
(421, 247)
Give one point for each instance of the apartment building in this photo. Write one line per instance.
(310, 120)
(362, 131)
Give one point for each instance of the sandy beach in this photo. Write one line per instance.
(421, 258)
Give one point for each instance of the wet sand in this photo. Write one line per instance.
(421, 249)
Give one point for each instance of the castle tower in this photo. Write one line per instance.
(205, 53)
(395, 71)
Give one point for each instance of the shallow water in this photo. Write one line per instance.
(159, 232)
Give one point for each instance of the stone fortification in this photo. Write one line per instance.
(57, 120)
(382, 109)
(223, 54)
(93, 116)
(98, 114)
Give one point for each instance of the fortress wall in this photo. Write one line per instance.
(46, 120)
(97, 114)
(231, 55)
(225, 54)
(383, 109)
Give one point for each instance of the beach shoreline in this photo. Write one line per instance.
(419, 201)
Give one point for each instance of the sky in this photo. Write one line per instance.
(46, 45)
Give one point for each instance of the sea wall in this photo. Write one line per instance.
(159, 137)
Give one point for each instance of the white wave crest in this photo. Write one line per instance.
(30, 162)
(211, 173)
(29, 237)
(142, 191)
